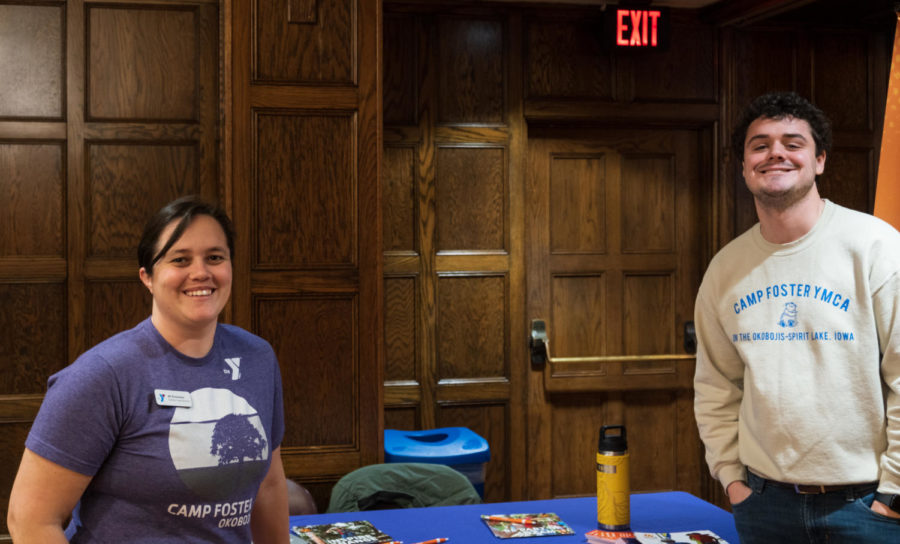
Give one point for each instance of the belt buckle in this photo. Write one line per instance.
(809, 489)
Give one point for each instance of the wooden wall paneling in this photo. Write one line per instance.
(849, 177)
(11, 446)
(31, 310)
(491, 422)
(578, 192)
(399, 417)
(427, 82)
(649, 321)
(400, 333)
(565, 59)
(305, 212)
(648, 203)
(841, 78)
(126, 183)
(508, 453)
(471, 244)
(124, 82)
(33, 243)
(461, 259)
(307, 161)
(472, 327)
(320, 46)
(315, 338)
(34, 184)
(108, 111)
(470, 198)
(471, 77)
(845, 80)
(400, 71)
(114, 305)
(32, 85)
(399, 200)
(685, 72)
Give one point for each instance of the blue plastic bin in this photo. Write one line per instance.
(457, 447)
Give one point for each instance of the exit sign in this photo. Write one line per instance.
(634, 28)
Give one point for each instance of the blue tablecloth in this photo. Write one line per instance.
(650, 512)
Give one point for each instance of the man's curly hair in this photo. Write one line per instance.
(781, 105)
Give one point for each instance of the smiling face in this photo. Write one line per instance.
(780, 162)
(191, 283)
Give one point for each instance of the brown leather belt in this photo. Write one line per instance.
(802, 489)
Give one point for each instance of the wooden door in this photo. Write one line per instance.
(618, 219)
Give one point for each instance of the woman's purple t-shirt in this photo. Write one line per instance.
(176, 446)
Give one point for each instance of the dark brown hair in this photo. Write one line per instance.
(781, 105)
(184, 210)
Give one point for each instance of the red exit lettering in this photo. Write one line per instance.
(637, 27)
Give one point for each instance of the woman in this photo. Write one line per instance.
(168, 432)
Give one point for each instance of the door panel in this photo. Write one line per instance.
(614, 261)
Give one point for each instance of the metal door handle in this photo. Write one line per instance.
(540, 349)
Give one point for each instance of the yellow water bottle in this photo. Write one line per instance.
(613, 487)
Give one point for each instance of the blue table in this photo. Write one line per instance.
(650, 512)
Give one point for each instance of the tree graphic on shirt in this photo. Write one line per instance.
(235, 440)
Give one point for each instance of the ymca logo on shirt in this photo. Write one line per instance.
(234, 367)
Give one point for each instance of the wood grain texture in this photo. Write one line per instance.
(142, 63)
(404, 418)
(471, 326)
(304, 53)
(491, 422)
(32, 181)
(578, 186)
(400, 318)
(32, 82)
(398, 200)
(400, 71)
(306, 190)
(115, 306)
(33, 343)
(847, 177)
(315, 339)
(472, 82)
(564, 58)
(685, 72)
(648, 201)
(471, 198)
(649, 321)
(303, 11)
(840, 88)
(127, 183)
(12, 444)
(579, 315)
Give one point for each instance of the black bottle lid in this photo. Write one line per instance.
(615, 442)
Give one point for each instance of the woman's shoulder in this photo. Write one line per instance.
(140, 339)
(232, 334)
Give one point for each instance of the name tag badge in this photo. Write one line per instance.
(179, 399)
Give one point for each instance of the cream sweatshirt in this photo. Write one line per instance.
(798, 362)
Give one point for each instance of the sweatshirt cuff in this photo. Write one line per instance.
(731, 473)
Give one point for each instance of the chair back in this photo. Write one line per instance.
(401, 485)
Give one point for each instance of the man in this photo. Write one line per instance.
(798, 366)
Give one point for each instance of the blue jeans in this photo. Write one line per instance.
(773, 514)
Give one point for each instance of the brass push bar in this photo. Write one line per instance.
(540, 349)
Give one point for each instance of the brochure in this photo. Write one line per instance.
(628, 537)
(526, 525)
(346, 532)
